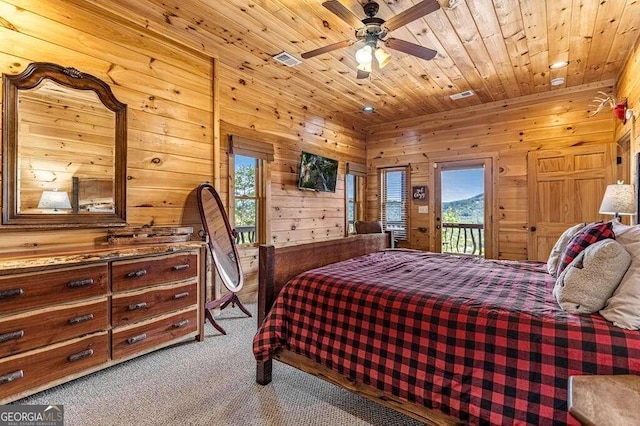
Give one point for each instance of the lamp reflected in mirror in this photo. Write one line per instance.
(54, 201)
(619, 199)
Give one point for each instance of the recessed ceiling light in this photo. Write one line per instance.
(557, 81)
(368, 108)
(559, 64)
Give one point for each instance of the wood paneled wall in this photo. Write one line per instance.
(168, 90)
(505, 131)
(629, 87)
(249, 109)
(172, 131)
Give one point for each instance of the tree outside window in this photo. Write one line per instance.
(246, 199)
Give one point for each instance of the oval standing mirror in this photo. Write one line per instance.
(221, 242)
(64, 149)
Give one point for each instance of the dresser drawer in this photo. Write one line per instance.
(41, 289)
(36, 368)
(132, 274)
(150, 334)
(29, 330)
(135, 306)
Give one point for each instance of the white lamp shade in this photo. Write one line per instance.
(54, 200)
(364, 55)
(618, 199)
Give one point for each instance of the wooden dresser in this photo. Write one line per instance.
(63, 316)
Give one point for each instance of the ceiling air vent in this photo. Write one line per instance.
(287, 59)
(461, 95)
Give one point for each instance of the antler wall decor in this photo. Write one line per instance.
(619, 108)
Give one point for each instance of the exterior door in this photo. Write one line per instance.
(565, 187)
(459, 235)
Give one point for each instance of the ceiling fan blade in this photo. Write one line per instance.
(326, 49)
(362, 74)
(414, 12)
(411, 48)
(343, 13)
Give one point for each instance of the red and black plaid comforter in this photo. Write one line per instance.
(481, 340)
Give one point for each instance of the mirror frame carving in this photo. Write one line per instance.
(33, 75)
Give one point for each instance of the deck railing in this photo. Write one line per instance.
(463, 238)
(245, 234)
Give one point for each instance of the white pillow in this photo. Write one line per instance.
(591, 278)
(623, 307)
(554, 257)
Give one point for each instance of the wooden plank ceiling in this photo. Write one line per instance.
(500, 49)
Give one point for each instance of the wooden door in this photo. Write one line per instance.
(487, 240)
(565, 187)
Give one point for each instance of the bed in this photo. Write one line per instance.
(445, 339)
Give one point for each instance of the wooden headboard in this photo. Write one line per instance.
(279, 264)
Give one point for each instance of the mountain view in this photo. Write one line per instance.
(470, 210)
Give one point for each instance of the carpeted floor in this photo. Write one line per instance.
(210, 383)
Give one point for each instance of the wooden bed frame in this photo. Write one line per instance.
(278, 266)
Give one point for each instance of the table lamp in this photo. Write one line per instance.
(54, 200)
(619, 199)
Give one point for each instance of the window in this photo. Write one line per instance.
(245, 219)
(355, 181)
(393, 200)
(248, 167)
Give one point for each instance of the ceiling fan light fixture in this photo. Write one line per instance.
(382, 56)
(364, 55)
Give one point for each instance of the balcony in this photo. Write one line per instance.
(245, 234)
(463, 238)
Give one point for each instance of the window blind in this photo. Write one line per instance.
(356, 169)
(249, 147)
(393, 201)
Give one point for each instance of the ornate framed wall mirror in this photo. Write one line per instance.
(64, 146)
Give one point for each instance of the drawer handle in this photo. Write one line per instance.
(181, 324)
(11, 377)
(140, 273)
(181, 295)
(136, 339)
(181, 267)
(81, 318)
(136, 306)
(80, 355)
(11, 336)
(7, 294)
(80, 283)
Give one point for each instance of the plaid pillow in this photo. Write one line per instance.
(592, 233)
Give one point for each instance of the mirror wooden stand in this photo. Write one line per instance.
(221, 242)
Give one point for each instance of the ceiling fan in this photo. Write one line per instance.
(372, 29)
